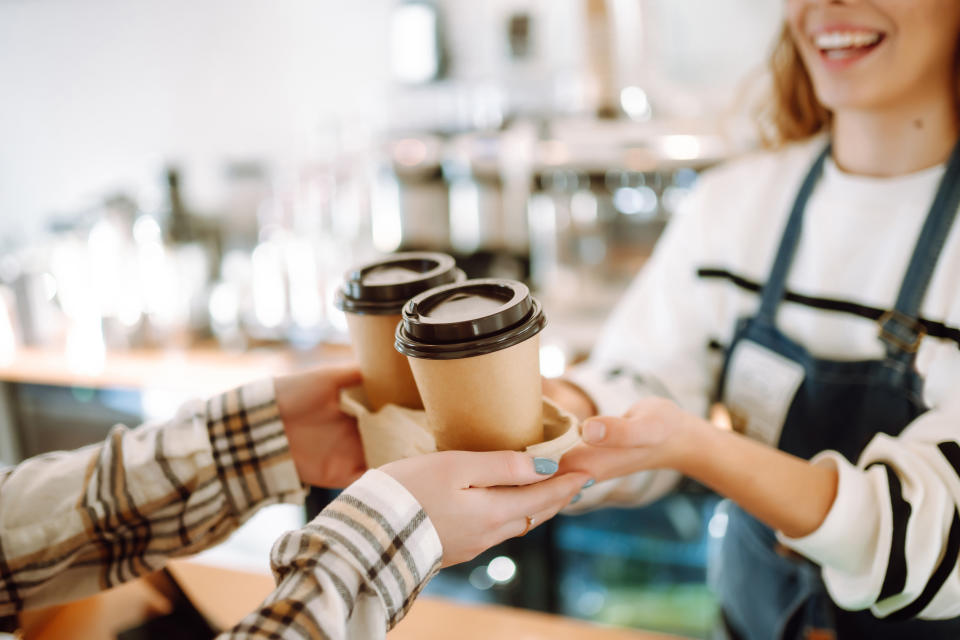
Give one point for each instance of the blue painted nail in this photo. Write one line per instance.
(545, 466)
(576, 498)
(589, 483)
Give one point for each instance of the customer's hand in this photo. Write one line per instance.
(324, 441)
(476, 500)
(654, 434)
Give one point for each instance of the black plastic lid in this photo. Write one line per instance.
(468, 318)
(382, 287)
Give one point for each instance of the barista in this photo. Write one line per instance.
(814, 289)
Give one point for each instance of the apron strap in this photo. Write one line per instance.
(775, 287)
(900, 329)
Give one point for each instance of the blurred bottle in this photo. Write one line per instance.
(181, 267)
(179, 226)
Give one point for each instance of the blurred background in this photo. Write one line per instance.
(183, 185)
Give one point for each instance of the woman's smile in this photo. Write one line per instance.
(841, 46)
(876, 55)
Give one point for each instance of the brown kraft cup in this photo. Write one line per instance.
(474, 351)
(372, 298)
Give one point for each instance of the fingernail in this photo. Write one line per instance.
(545, 466)
(576, 498)
(593, 431)
(589, 483)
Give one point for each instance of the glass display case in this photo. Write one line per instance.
(642, 567)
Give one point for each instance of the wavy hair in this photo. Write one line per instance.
(792, 113)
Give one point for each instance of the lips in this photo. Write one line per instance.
(842, 46)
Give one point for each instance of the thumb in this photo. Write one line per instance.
(502, 468)
(604, 431)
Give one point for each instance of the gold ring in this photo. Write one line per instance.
(530, 522)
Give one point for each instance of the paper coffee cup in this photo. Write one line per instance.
(372, 297)
(474, 351)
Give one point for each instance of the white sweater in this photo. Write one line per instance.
(858, 237)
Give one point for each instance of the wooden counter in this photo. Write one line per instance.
(224, 596)
(433, 619)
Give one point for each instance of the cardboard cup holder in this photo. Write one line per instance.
(394, 432)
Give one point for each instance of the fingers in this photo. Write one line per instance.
(521, 527)
(342, 375)
(604, 431)
(501, 468)
(603, 463)
(515, 503)
(298, 392)
(539, 502)
(647, 422)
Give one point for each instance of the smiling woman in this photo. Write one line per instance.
(891, 61)
(838, 370)
(882, 53)
(860, 55)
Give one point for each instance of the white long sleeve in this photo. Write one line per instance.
(900, 502)
(891, 540)
(654, 343)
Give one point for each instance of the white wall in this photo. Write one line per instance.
(699, 52)
(98, 94)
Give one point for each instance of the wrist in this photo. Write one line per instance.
(695, 445)
(250, 448)
(281, 396)
(399, 550)
(281, 400)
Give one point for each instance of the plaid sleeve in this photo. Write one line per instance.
(73, 523)
(351, 573)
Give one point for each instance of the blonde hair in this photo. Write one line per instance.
(792, 112)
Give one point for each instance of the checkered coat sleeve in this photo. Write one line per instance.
(74, 523)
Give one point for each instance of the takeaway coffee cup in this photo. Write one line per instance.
(372, 297)
(474, 351)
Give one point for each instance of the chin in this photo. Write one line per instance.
(842, 97)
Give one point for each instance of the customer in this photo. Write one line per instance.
(74, 523)
(793, 262)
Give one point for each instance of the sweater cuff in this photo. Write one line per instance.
(250, 448)
(380, 529)
(844, 545)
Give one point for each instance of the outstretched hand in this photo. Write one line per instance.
(787, 493)
(477, 500)
(654, 434)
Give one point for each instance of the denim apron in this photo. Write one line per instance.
(764, 590)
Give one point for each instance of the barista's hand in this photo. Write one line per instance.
(476, 500)
(786, 493)
(654, 434)
(324, 442)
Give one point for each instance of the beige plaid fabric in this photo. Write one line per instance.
(74, 523)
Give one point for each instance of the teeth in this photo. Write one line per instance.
(846, 39)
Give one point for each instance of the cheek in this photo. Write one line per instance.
(926, 53)
(929, 29)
